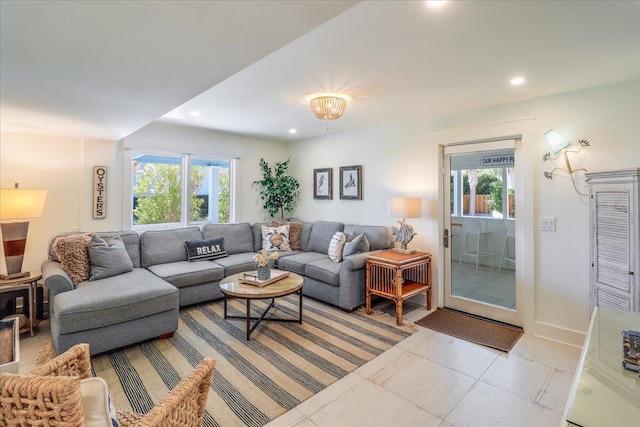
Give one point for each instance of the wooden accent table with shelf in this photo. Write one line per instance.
(398, 276)
(29, 283)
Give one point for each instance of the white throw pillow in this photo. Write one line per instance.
(96, 404)
(336, 246)
(275, 238)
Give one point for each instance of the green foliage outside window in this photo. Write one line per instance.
(158, 193)
(485, 181)
(223, 198)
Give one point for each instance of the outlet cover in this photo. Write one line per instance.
(547, 223)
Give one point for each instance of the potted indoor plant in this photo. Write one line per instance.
(278, 190)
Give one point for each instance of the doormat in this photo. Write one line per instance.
(472, 328)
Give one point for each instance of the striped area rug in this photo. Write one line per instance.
(254, 381)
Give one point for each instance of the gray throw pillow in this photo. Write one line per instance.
(356, 244)
(108, 258)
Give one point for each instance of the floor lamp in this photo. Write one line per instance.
(17, 204)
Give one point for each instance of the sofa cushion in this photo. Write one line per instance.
(165, 246)
(379, 236)
(184, 273)
(256, 230)
(321, 234)
(108, 258)
(336, 246)
(118, 299)
(238, 238)
(325, 270)
(198, 250)
(131, 241)
(72, 251)
(275, 238)
(356, 244)
(305, 235)
(297, 263)
(237, 263)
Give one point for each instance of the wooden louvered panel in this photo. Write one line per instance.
(612, 239)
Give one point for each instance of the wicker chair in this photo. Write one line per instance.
(50, 395)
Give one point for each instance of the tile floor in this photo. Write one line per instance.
(485, 284)
(431, 379)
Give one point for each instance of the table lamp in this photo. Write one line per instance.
(404, 207)
(17, 204)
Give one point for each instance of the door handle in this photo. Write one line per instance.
(446, 238)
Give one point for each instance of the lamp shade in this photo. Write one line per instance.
(19, 203)
(405, 207)
(556, 141)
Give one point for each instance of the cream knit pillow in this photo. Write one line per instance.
(336, 246)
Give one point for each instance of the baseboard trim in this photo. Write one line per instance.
(559, 334)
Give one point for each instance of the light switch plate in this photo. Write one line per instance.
(547, 223)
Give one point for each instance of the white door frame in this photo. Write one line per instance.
(502, 314)
(524, 131)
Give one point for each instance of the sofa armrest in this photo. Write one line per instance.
(55, 279)
(355, 261)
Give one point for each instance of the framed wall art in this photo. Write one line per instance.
(323, 183)
(351, 182)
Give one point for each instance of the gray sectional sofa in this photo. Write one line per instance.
(142, 304)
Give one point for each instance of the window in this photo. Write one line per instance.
(161, 196)
(480, 190)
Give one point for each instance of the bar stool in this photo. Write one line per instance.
(511, 233)
(475, 227)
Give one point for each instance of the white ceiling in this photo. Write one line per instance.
(107, 69)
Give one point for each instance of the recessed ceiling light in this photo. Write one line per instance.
(436, 3)
(517, 81)
(293, 131)
(195, 113)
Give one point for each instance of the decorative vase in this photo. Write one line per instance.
(264, 272)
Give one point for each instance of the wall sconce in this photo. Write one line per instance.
(17, 204)
(559, 145)
(404, 207)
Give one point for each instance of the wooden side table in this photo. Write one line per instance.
(29, 283)
(398, 276)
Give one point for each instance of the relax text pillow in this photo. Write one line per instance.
(205, 249)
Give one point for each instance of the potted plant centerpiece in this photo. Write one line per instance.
(263, 259)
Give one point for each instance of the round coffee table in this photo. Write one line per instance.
(232, 287)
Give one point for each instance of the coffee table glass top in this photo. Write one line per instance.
(231, 286)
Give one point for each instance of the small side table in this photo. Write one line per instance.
(30, 283)
(398, 276)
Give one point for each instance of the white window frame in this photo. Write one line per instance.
(127, 185)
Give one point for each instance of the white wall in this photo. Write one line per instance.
(48, 163)
(403, 159)
(163, 136)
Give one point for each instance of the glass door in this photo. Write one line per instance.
(480, 222)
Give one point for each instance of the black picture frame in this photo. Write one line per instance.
(351, 182)
(323, 184)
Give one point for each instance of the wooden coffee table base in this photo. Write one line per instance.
(249, 318)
